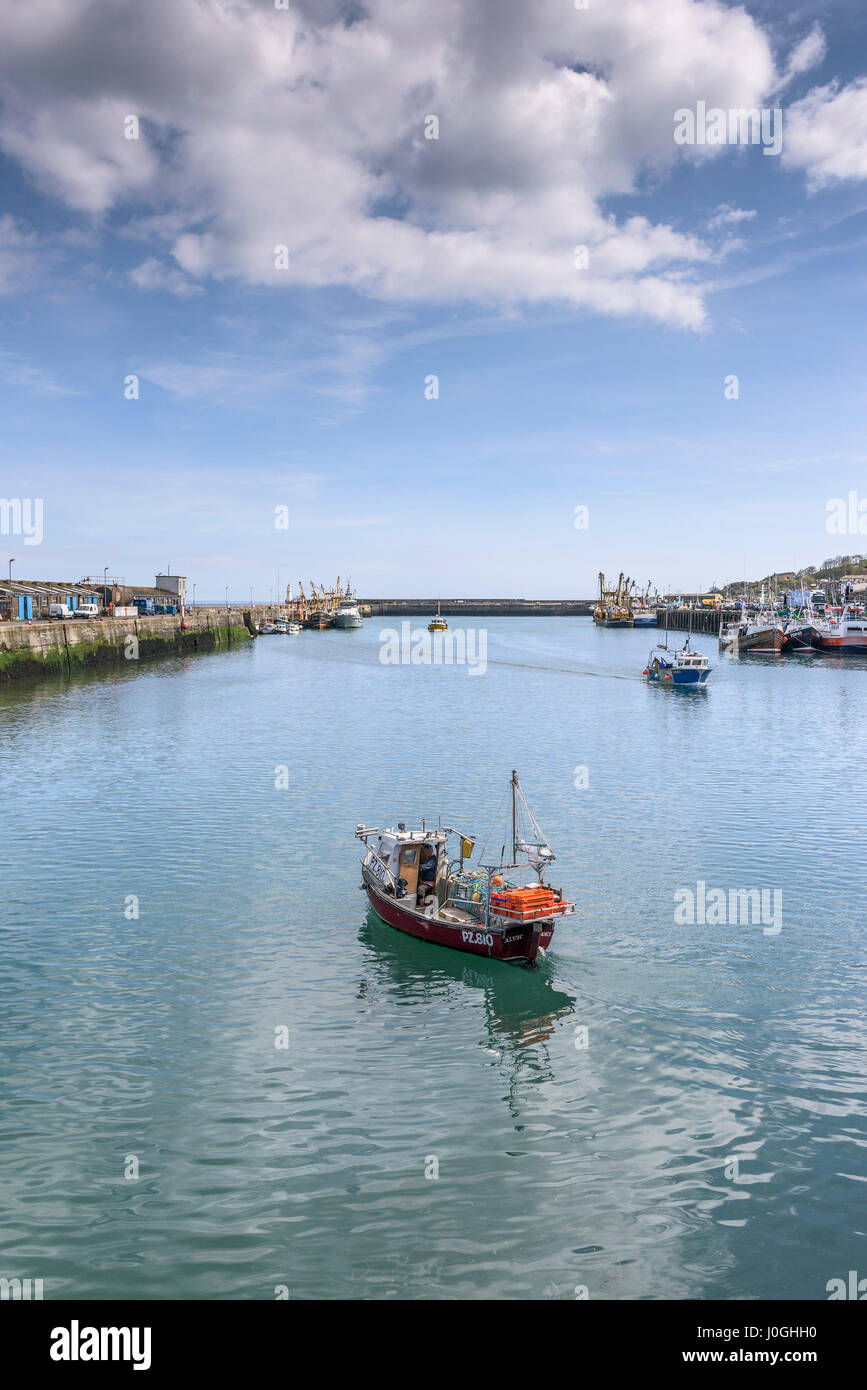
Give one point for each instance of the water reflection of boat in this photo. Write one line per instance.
(521, 1010)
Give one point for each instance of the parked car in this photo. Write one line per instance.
(87, 610)
(61, 611)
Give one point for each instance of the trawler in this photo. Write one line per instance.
(644, 613)
(761, 631)
(413, 885)
(842, 629)
(326, 608)
(614, 607)
(347, 614)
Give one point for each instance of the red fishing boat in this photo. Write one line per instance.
(489, 910)
(842, 629)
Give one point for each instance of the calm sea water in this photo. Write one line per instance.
(149, 1041)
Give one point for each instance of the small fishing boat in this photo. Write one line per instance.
(684, 667)
(281, 626)
(438, 622)
(413, 885)
(293, 629)
(267, 629)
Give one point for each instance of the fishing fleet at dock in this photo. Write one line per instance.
(621, 606)
(324, 607)
(771, 627)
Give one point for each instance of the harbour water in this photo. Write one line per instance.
(180, 899)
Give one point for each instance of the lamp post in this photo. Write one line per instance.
(251, 598)
(227, 598)
(11, 563)
(194, 595)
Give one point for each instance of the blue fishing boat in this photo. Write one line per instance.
(685, 667)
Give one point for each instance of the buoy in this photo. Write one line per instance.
(496, 880)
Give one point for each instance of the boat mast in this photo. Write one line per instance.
(514, 816)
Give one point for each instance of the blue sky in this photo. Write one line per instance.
(306, 387)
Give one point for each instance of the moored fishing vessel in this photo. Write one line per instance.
(762, 633)
(413, 886)
(643, 612)
(842, 629)
(347, 614)
(614, 607)
(799, 633)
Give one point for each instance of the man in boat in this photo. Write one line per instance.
(427, 874)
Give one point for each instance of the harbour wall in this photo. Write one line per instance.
(477, 607)
(31, 651)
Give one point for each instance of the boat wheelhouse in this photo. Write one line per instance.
(413, 885)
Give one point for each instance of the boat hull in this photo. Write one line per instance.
(644, 620)
(519, 943)
(801, 640)
(680, 678)
(852, 643)
(348, 620)
(613, 622)
(768, 639)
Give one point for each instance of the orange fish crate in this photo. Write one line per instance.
(527, 904)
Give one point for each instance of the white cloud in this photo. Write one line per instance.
(726, 216)
(826, 134)
(155, 275)
(262, 127)
(805, 55)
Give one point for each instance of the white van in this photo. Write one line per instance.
(87, 610)
(60, 610)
